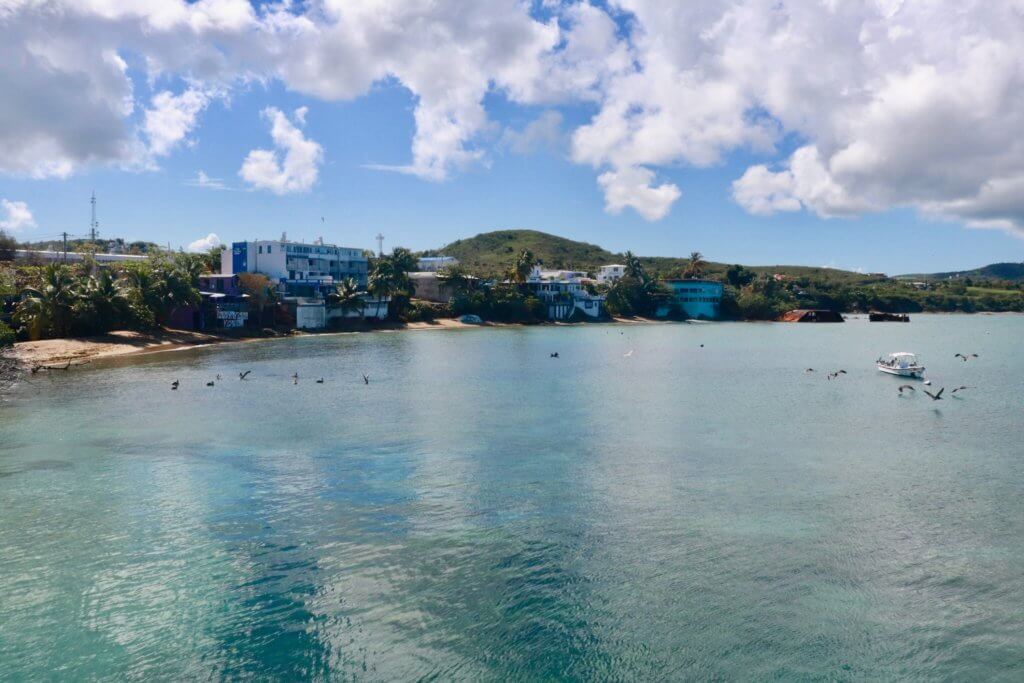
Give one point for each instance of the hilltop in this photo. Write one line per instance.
(490, 253)
(994, 271)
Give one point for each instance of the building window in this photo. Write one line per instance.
(261, 249)
(268, 248)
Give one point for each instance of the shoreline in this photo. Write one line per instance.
(66, 353)
(70, 352)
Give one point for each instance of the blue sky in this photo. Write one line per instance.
(552, 186)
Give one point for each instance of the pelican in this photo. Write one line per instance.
(320, 381)
(935, 397)
(174, 385)
(366, 379)
(218, 377)
(809, 370)
(209, 384)
(555, 354)
(906, 386)
(959, 388)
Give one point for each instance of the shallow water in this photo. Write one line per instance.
(481, 510)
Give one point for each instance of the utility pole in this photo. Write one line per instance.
(380, 244)
(65, 236)
(93, 225)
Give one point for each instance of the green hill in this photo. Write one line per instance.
(996, 271)
(489, 254)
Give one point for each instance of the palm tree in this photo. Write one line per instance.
(46, 310)
(456, 279)
(695, 268)
(104, 300)
(346, 296)
(522, 266)
(634, 268)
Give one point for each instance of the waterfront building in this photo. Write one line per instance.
(606, 275)
(699, 299)
(435, 263)
(563, 294)
(303, 268)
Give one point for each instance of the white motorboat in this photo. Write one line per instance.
(902, 363)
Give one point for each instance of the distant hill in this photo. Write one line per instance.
(994, 271)
(491, 253)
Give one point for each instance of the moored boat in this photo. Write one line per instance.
(902, 363)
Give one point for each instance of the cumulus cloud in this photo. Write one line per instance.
(171, 118)
(16, 216)
(892, 104)
(204, 244)
(633, 187)
(294, 163)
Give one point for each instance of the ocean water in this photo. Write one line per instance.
(483, 511)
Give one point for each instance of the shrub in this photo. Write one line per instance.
(7, 335)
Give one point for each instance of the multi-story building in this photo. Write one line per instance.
(694, 298)
(296, 265)
(610, 273)
(563, 294)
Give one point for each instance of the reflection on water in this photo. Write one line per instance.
(482, 510)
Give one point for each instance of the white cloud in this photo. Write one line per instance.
(544, 132)
(204, 244)
(171, 118)
(298, 170)
(893, 104)
(633, 187)
(205, 181)
(16, 216)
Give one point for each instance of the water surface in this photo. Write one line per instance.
(481, 510)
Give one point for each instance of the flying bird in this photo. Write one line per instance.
(935, 397)
(960, 388)
(627, 354)
(964, 357)
(243, 375)
(906, 386)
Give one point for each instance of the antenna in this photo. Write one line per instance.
(93, 224)
(380, 244)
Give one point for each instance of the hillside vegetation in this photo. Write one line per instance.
(1012, 272)
(488, 255)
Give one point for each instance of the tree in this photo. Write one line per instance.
(390, 278)
(346, 296)
(259, 289)
(522, 266)
(8, 245)
(46, 309)
(696, 267)
(738, 276)
(456, 279)
(101, 305)
(634, 268)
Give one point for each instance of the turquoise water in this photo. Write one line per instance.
(483, 511)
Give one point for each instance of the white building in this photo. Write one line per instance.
(610, 273)
(563, 294)
(296, 263)
(435, 263)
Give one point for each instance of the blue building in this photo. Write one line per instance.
(699, 299)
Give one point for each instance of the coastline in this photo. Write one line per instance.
(66, 353)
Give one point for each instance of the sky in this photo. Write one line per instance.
(874, 135)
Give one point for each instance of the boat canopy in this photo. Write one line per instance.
(902, 359)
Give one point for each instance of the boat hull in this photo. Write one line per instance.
(916, 372)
